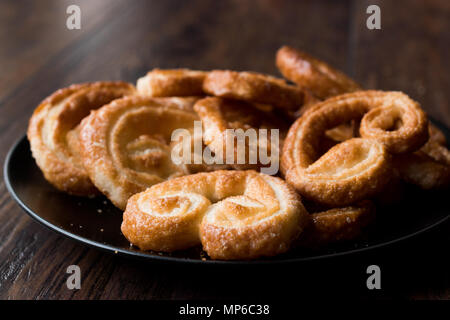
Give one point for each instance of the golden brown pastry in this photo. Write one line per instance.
(337, 224)
(308, 72)
(436, 146)
(165, 218)
(346, 145)
(422, 170)
(195, 167)
(397, 121)
(342, 132)
(254, 87)
(319, 78)
(219, 115)
(53, 132)
(357, 168)
(126, 144)
(173, 82)
(350, 171)
(429, 167)
(234, 214)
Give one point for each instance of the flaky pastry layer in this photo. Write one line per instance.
(350, 171)
(234, 214)
(219, 115)
(53, 132)
(308, 72)
(254, 87)
(429, 167)
(172, 83)
(126, 145)
(395, 120)
(337, 224)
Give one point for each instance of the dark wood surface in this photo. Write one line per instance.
(123, 39)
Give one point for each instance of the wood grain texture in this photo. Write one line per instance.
(410, 53)
(124, 39)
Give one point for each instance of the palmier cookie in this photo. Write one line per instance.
(197, 153)
(337, 224)
(320, 78)
(436, 146)
(174, 82)
(254, 87)
(125, 144)
(53, 132)
(219, 115)
(420, 169)
(350, 171)
(429, 167)
(393, 119)
(233, 214)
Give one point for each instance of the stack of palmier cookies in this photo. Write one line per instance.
(339, 148)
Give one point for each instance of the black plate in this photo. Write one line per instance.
(96, 222)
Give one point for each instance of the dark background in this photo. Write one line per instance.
(124, 39)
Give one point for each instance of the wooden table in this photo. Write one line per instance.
(123, 39)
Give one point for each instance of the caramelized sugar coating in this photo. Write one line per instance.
(346, 145)
(338, 224)
(197, 153)
(254, 87)
(234, 214)
(397, 121)
(350, 171)
(172, 83)
(428, 168)
(218, 115)
(53, 132)
(422, 170)
(308, 72)
(126, 144)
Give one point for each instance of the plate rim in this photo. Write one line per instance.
(168, 259)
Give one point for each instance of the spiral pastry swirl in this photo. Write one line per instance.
(350, 171)
(219, 115)
(395, 120)
(233, 214)
(317, 76)
(254, 87)
(172, 83)
(126, 144)
(53, 132)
